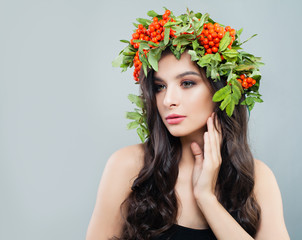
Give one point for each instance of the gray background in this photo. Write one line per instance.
(63, 105)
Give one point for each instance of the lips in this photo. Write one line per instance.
(175, 118)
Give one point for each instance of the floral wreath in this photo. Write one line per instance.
(213, 46)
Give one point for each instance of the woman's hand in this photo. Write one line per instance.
(207, 162)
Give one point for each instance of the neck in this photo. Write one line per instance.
(187, 157)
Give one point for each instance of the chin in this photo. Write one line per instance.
(181, 132)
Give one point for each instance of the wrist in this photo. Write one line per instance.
(206, 200)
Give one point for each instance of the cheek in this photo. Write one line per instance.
(159, 105)
(201, 101)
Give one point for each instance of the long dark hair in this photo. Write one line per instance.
(151, 207)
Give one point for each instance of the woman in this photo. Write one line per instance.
(194, 177)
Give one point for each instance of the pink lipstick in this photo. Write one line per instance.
(175, 118)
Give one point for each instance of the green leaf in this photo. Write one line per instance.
(236, 92)
(230, 53)
(132, 125)
(230, 108)
(144, 21)
(244, 67)
(136, 99)
(195, 44)
(133, 115)
(193, 54)
(152, 13)
(222, 93)
(143, 45)
(142, 134)
(214, 73)
(225, 41)
(124, 41)
(225, 102)
(248, 39)
(167, 35)
(205, 60)
(129, 53)
(259, 100)
(170, 24)
(118, 61)
(153, 57)
(145, 69)
(216, 57)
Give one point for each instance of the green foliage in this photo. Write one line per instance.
(188, 28)
(139, 117)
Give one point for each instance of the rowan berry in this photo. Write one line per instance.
(165, 16)
(220, 35)
(209, 50)
(152, 29)
(214, 49)
(135, 36)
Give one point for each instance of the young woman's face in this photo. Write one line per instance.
(181, 90)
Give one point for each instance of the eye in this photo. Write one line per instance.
(188, 84)
(159, 87)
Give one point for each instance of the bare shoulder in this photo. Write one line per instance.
(265, 182)
(120, 171)
(268, 196)
(128, 158)
(263, 174)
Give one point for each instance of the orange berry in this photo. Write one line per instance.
(168, 12)
(210, 26)
(216, 40)
(220, 35)
(165, 16)
(214, 49)
(216, 25)
(227, 28)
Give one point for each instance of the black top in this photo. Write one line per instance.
(177, 232)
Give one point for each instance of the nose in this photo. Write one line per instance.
(172, 97)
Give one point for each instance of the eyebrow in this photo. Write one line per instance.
(179, 75)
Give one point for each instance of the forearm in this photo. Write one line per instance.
(220, 221)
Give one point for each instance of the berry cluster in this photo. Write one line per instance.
(155, 33)
(246, 82)
(212, 34)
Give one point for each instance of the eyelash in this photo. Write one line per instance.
(190, 83)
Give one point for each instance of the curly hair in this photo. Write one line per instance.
(151, 207)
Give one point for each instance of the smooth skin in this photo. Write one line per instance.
(198, 207)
